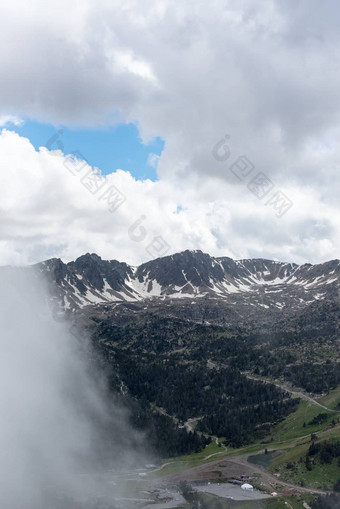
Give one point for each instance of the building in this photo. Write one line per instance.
(247, 487)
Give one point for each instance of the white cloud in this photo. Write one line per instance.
(48, 434)
(153, 160)
(48, 210)
(126, 61)
(10, 119)
(266, 74)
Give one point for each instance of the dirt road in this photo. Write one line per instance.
(267, 477)
(233, 466)
(297, 394)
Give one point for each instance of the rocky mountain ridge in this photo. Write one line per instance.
(191, 275)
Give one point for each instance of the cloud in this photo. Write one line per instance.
(10, 119)
(56, 424)
(266, 75)
(58, 206)
(153, 160)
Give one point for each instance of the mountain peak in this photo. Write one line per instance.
(267, 284)
(88, 257)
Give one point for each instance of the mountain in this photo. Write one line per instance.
(191, 342)
(243, 287)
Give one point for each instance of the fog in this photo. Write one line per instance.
(57, 423)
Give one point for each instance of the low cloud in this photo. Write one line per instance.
(57, 428)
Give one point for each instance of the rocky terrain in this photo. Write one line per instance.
(194, 286)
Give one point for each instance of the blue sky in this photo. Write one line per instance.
(108, 148)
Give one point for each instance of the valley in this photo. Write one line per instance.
(216, 361)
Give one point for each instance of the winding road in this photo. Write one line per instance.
(298, 394)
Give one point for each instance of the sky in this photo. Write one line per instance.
(106, 148)
(136, 129)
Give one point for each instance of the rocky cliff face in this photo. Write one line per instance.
(243, 286)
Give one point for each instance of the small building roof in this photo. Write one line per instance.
(247, 486)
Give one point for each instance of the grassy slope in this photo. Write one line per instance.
(293, 439)
(290, 432)
(292, 427)
(192, 460)
(320, 477)
(332, 400)
(287, 434)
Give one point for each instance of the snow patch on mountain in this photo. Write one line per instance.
(89, 280)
